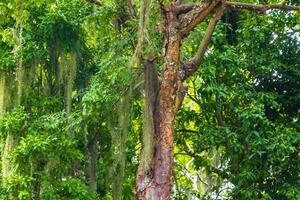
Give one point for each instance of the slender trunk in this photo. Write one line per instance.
(2, 95)
(92, 156)
(124, 114)
(36, 174)
(53, 69)
(19, 81)
(67, 75)
(10, 142)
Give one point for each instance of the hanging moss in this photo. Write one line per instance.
(119, 143)
(10, 142)
(9, 90)
(8, 102)
(19, 81)
(144, 173)
(66, 79)
(67, 74)
(143, 32)
(18, 45)
(17, 91)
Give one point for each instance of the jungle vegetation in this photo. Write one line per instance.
(149, 99)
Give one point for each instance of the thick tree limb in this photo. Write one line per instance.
(181, 8)
(258, 8)
(191, 66)
(199, 12)
(195, 13)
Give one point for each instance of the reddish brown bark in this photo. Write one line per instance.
(160, 185)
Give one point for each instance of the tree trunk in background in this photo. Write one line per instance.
(11, 141)
(36, 174)
(67, 74)
(92, 156)
(4, 101)
(123, 128)
(2, 94)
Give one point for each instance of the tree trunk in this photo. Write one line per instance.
(123, 124)
(144, 173)
(36, 174)
(2, 94)
(160, 184)
(92, 156)
(11, 141)
(67, 74)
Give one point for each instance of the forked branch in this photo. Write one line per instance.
(181, 8)
(199, 12)
(191, 66)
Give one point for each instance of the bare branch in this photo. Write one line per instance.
(258, 8)
(191, 66)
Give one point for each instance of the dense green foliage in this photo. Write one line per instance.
(237, 134)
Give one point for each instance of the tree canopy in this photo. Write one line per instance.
(149, 99)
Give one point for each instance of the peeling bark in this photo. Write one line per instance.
(157, 183)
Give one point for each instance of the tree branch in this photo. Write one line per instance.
(203, 9)
(132, 9)
(258, 8)
(191, 66)
(95, 2)
(199, 12)
(181, 8)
